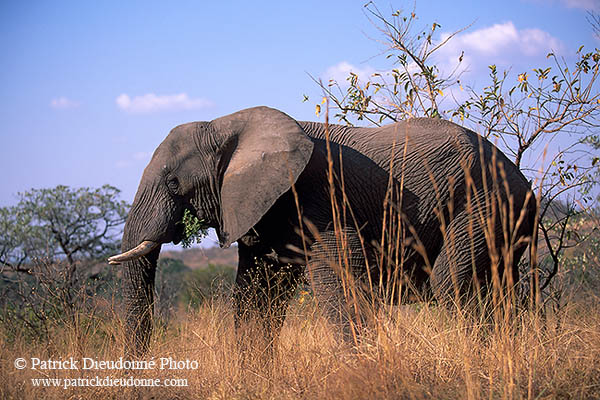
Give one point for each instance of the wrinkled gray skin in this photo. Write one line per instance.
(236, 173)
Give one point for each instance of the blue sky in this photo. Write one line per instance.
(89, 89)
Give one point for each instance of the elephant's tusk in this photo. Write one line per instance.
(140, 250)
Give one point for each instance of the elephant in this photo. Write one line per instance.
(422, 207)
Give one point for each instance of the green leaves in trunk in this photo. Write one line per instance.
(194, 229)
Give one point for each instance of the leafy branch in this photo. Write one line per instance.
(194, 229)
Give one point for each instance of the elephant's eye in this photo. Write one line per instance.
(173, 184)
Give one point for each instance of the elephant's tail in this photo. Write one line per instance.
(527, 229)
(532, 214)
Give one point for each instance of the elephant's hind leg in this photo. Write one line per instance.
(470, 260)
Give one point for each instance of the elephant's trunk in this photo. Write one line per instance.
(138, 291)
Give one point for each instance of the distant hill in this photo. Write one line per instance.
(201, 257)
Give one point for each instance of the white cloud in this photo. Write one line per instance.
(497, 44)
(63, 103)
(341, 71)
(591, 5)
(151, 103)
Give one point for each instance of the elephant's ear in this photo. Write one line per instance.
(269, 151)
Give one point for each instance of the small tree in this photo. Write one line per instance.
(61, 224)
(412, 88)
(46, 239)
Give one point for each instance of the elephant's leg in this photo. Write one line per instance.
(472, 257)
(263, 288)
(335, 272)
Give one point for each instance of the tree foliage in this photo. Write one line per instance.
(61, 224)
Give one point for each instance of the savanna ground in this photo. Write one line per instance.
(419, 351)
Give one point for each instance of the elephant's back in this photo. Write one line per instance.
(416, 144)
(422, 135)
(420, 141)
(421, 145)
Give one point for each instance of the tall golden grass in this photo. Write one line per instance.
(412, 352)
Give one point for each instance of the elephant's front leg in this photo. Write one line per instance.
(263, 288)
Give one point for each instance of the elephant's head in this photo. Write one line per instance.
(228, 172)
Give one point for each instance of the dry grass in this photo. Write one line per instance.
(413, 352)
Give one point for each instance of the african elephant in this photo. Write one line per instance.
(423, 204)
